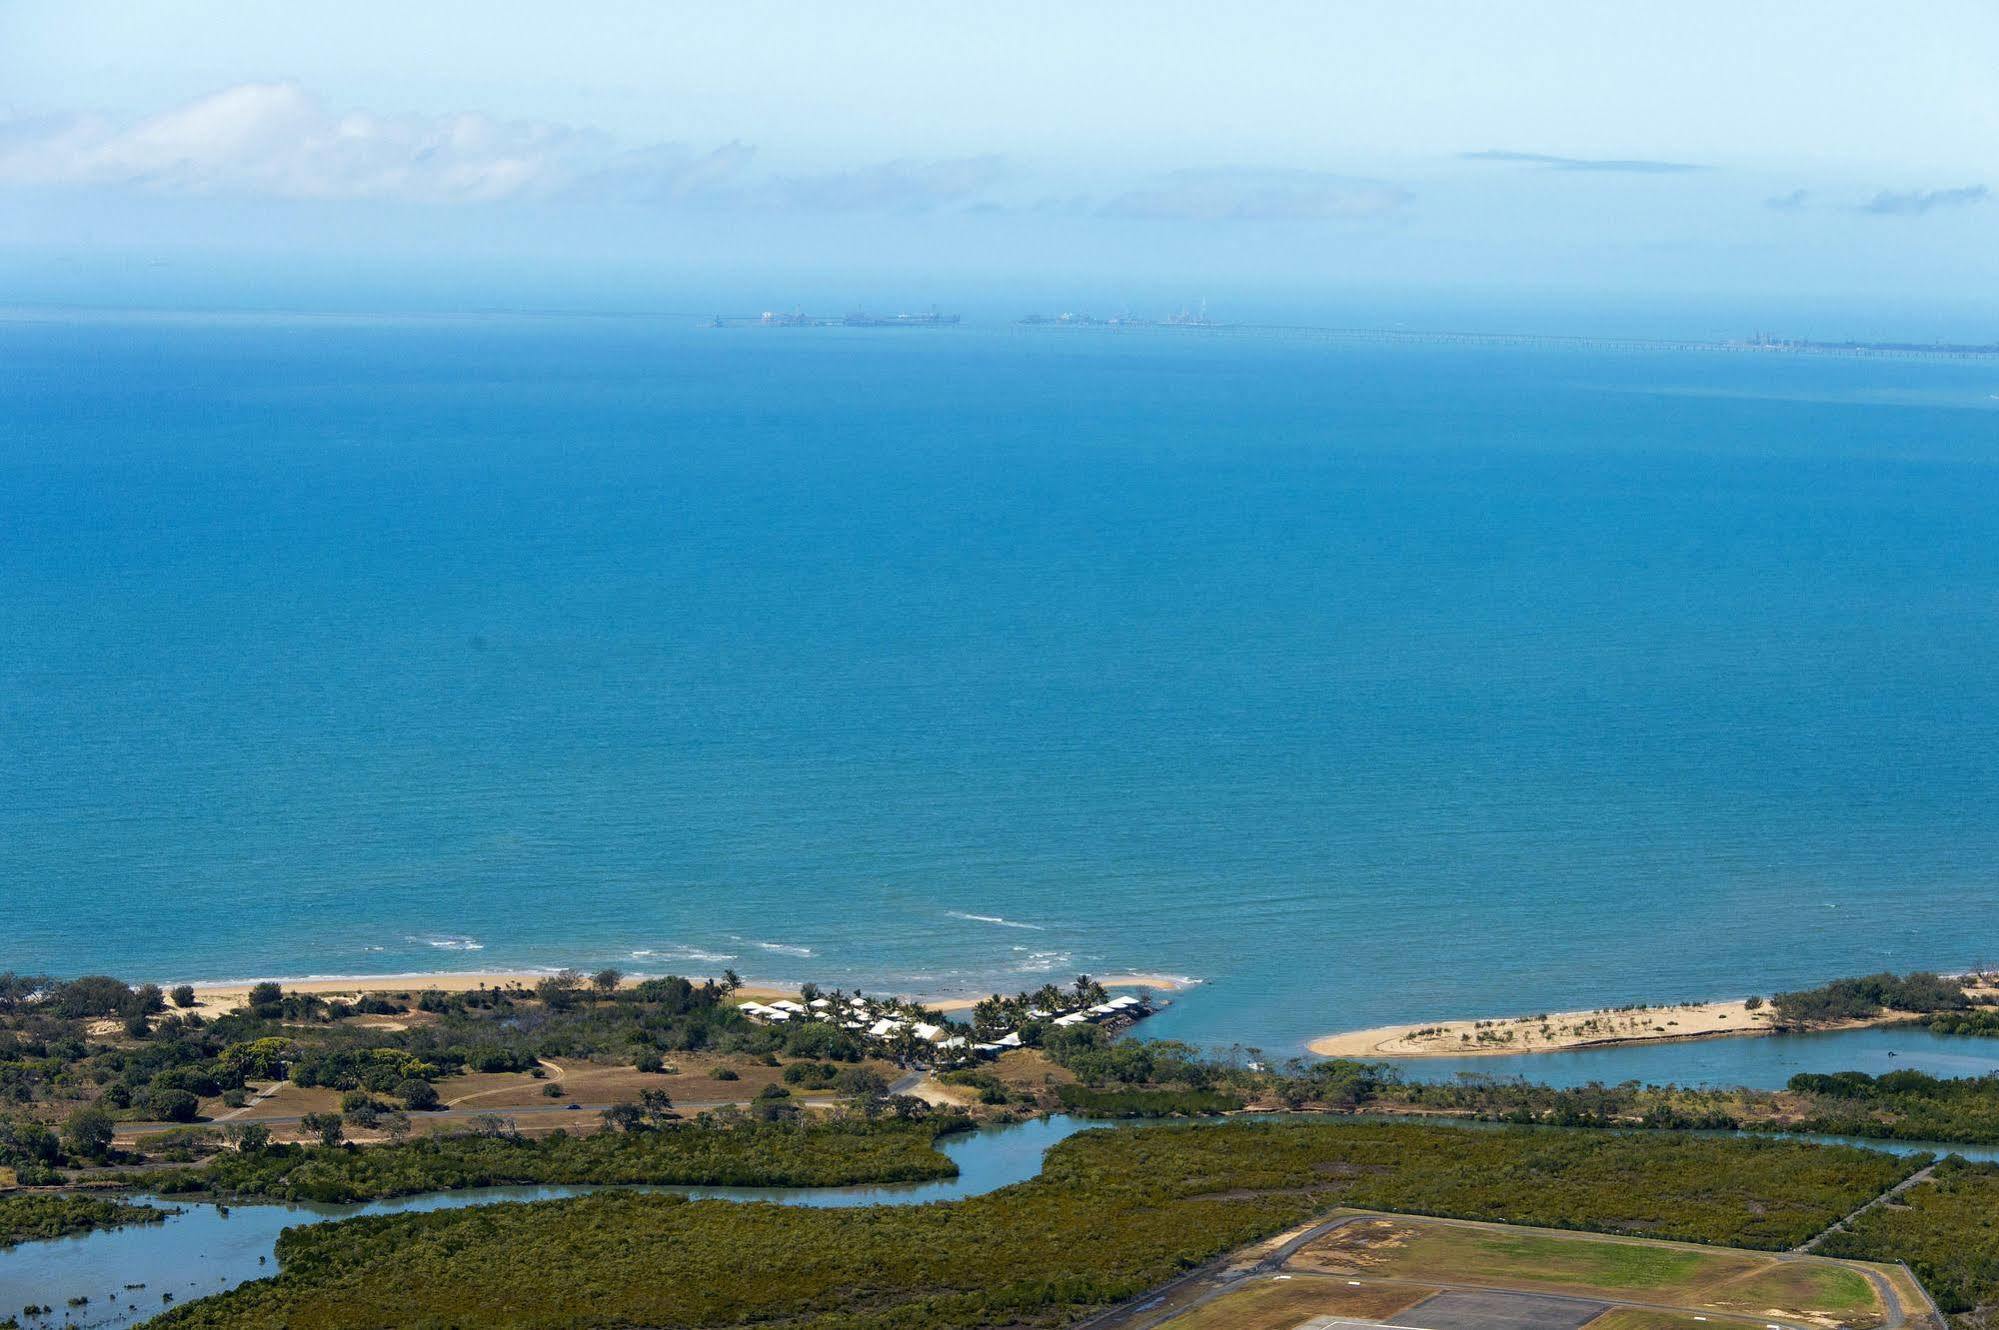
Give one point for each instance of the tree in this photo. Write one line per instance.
(731, 981)
(87, 1133)
(1752, 1003)
(330, 1128)
(150, 999)
(249, 1137)
(606, 980)
(623, 1117)
(258, 1059)
(657, 1107)
(265, 998)
(183, 995)
(864, 1082)
(170, 1105)
(807, 992)
(417, 1095)
(396, 1126)
(92, 995)
(558, 991)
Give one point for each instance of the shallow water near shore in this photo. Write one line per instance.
(1368, 684)
(1762, 1062)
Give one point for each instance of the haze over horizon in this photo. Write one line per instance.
(1826, 167)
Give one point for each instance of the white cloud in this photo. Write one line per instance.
(276, 140)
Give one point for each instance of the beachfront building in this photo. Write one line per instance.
(899, 1029)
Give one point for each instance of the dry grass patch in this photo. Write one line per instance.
(1279, 1304)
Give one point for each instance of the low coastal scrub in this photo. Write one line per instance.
(735, 1154)
(1113, 1214)
(1090, 1102)
(1947, 1230)
(31, 1218)
(1983, 1022)
(1902, 1105)
(1870, 995)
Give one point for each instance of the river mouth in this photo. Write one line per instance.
(132, 1274)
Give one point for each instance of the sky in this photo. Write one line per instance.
(1803, 159)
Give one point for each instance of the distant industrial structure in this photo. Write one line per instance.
(771, 318)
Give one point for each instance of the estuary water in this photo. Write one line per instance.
(130, 1274)
(1362, 683)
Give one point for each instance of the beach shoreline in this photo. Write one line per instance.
(214, 997)
(1602, 1027)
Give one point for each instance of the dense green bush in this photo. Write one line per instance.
(1113, 1213)
(28, 1218)
(1856, 999)
(1947, 1231)
(743, 1154)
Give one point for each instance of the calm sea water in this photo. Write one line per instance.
(1362, 683)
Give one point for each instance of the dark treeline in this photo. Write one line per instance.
(33, 1217)
(724, 1149)
(1922, 993)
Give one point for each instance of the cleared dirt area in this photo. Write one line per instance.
(1280, 1302)
(1698, 1279)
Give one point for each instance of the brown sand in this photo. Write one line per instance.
(1561, 1031)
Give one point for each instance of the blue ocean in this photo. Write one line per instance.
(1362, 683)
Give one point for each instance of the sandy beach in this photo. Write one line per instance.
(213, 999)
(1562, 1031)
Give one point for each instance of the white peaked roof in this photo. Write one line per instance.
(1126, 1001)
(1105, 1008)
(955, 1041)
(1073, 1018)
(884, 1027)
(924, 1030)
(1011, 1039)
(786, 1004)
(819, 1004)
(773, 1014)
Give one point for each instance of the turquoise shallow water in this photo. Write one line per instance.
(1365, 684)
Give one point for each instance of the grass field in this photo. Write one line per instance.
(1617, 1270)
